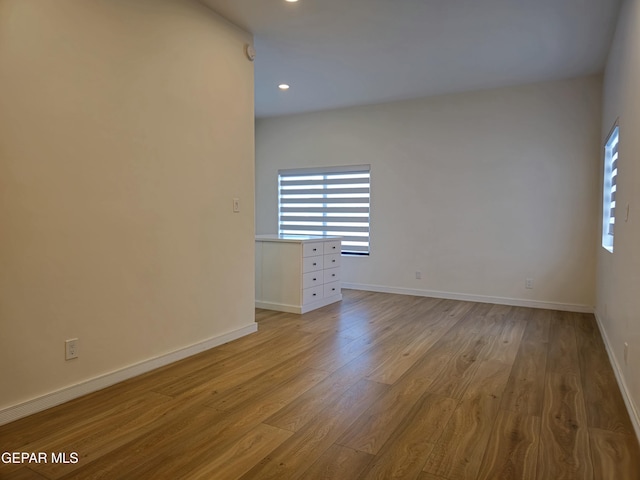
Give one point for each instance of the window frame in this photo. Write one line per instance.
(348, 219)
(610, 196)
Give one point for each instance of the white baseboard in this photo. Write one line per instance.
(280, 307)
(631, 408)
(69, 393)
(515, 302)
(299, 309)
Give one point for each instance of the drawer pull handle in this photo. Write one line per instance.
(333, 274)
(333, 248)
(314, 264)
(333, 289)
(315, 249)
(314, 294)
(333, 261)
(315, 279)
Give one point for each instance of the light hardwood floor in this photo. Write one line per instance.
(378, 386)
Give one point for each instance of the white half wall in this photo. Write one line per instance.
(126, 129)
(618, 277)
(477, 191)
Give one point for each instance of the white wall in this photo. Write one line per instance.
(618, 277)
(477, 191)
(126, 128)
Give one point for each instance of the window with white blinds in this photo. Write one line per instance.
(327, 201)
(610, 188)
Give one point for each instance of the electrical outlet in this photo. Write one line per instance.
(71, 348)
(528, 283)
(626, 353)
(236, 205)
(418, 275)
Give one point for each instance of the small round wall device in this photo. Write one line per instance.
(250, 52)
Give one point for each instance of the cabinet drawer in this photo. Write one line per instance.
(312, 249)
(331, 261)
(311, 264)
(332, 288)
(312, 294)
(332, 275)
(312, 279)
(334, 246)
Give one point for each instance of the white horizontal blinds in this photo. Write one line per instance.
(612, 146)
(614, 176)
(327, 201)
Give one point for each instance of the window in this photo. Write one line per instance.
(326, 201)
(610, 188)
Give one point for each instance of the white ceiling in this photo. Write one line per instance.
(337, 53)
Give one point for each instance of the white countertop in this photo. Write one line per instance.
(295, 238)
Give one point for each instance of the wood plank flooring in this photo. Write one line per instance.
(378, 386)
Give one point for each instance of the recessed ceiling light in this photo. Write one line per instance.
(283, 86)
(291, 1)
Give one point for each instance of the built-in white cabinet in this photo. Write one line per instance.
(296, 273)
